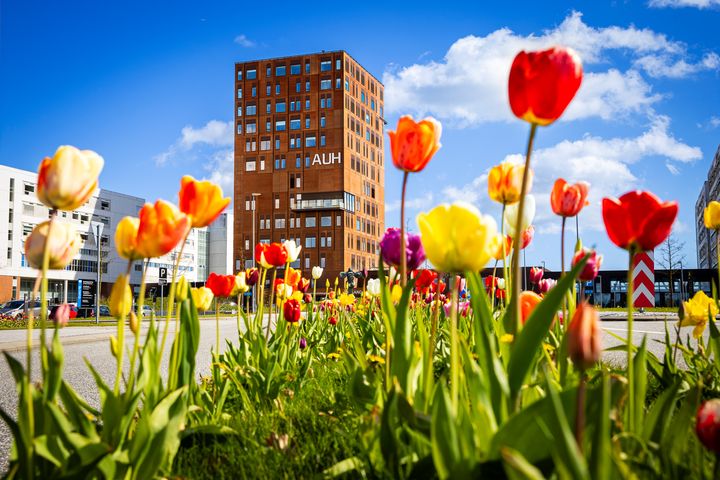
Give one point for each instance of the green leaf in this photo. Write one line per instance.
(517, 468)
(601, 455)
(639, 388)
(674, 441)
(660, 413)
(444, 436)
(401, 355)
(529, 340)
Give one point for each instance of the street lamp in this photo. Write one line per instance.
(252, 247)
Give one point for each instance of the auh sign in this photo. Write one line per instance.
(327, 159)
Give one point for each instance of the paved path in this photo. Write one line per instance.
(93, 343)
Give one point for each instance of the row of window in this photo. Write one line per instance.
(295, 69)
(325, 102)
(295, 222)
(295, 141)
(280, 125)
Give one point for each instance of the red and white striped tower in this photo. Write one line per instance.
(643, 277)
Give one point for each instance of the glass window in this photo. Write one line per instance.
(298, 162)
(268, 106)
(280, 71)
(294, 124)
(280, 126)
(309, 221)
(268, 126)
(297, 86)
(254, 91)
(325, 66)
(307, 104)
(277, 89)
(329, 102)
(322, 121)
(307, 122)
(268, 71)
(326, 221)
(307, 85)
(251, 110)
(239, 75)
(240, 111)
(250, 127)
(325, 84)
(307, 67)
(239, 92)
(307, 162)
(337, 82)
(280, 107)
(268, 89)
(277, 143)
(251, 74)
(338, 64)
(250, 166)
(322, 140)
(310, 242)
(310, 141)
(295, 69)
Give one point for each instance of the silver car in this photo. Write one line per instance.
(18, 308)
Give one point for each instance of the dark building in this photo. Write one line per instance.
(706, 240)
(309, 160)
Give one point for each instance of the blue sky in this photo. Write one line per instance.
(149, 86)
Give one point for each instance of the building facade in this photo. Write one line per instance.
(309, 160)
(706, 240)
(206, 249)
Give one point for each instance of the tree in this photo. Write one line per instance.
(669, 255)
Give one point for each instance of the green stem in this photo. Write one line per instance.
(580, 413)
(217, 325)
(260, 301)
(136, 346)
(515, 302)
(430, 373)
(454, 354)
(630, 368)
(566, 320)
(403, 253)
(43, 294)
(506, 272)
(270, 307)
(171, 298)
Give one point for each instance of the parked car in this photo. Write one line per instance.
(104, 311)
(147, 311)
(73, 311)
(18, 308)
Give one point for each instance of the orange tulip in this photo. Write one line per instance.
(584, 343)
(528, 302)
(293, 277)
(162, 227)
(126, 234)
(68, 179)
(202, 200)
(414, 143)
(505, 182)
(567, 200)
(542, 84)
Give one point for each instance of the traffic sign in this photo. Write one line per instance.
(162, 277)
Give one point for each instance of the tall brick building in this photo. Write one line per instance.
(309, 160)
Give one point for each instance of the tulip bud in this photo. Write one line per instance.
(68, 179)
(373, 287)
(317, 272)
(707, 426)
(126, 233)
(501, 284)
(303, 343)
(332, 320)
(536, 274)
(62, 315)
(505, 182)
(113, 346)
(584, 345)
(120, 301)
(303, 285)
(592, 266)
(327, 284)
(292, 311)
(134, 322)
(181, 289)
(63, 244)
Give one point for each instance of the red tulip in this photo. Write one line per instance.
(303, 285)
(707, 425)
(591, 268)
(536, 274)
(638, 220)
(424, 279)
(221, 285)
(543, 83)
(333, 321)
(292, 311)
(413, 144)
(271, 254)
(567, 200)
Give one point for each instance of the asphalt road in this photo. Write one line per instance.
(92, 343)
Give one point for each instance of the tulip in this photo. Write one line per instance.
(271, 254)
(283, 290)
(697, 312)
(292, 311)
(220, 285)
(68, 179)
(303, 343)
(316, 272)
(396, 293)
(496, 246)
(526, 237)
(162, 227)
(120, 301)
(536, 274)
(707, 425)
(61, 316)
(126, 234)
(307, 298)
(528, 302)
(181, 289)
(501, 283)
(346, 299)
(391, 250)
(511, 214)
(303, 285)
(542, 84)
(592, 266)
(134, 322)
(114, 346)
(424, 279)
(584, 343)
(240, 286)
(292, 277)
(545, 285)
(63, 244)
(373, 287)
(638, 220)
(202, 201)
(202, 298)
(567, 200)
(252, 275)
(505, 182)
(712, 215)
(456, 237)
(292, 249)
(413, 144)
(332, 320)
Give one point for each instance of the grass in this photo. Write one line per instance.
(646, 310)
(320, 422)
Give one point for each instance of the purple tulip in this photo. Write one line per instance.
(390, 249)
(252, 275)
(303, 343)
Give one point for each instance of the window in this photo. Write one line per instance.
(329, 102)
(338, 83)
(262, 163)
(280, 221)
(307, 122)
(277, 143)
(307, 104)
(326, 221)
(310, 141)
(247, 244)
(295, 69)
(338, 221)
(307, 261)
(277, 201)
(325, 66)
(239, 112)
(264, 144)
(325, 84)
(268, 106)
(309, 222)
(298, 162)
(307, 67)
(239, 75)
(297, 86)
(307, 161)
(294, 124)
(280, 107)
(247, 203)
(280, 71)
(310, 242)
(277, 89)
(29, 188)
(307, 85)
(322, 102)
(338, 64)
(322, 260)
(280, 125)
(251, 110)
(251, 127)
(239, 91)
(251, 74)
(268, 125)
(268, 71)
(250, 166)
(322, 121)
(322, 140)
(254, 91)
(268, 90)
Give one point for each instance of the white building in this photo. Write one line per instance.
(206, 249)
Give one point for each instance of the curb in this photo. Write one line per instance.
(74, 340)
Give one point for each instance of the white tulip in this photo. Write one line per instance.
(373, 287)
(317, 272)
(511, 213)
(293, 250)
(501, 284)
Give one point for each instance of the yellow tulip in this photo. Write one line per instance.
(63, 244)
(457, 238)
(126, 234)
(120, 301)
(396, 293)
(202, 297)
(181, 289)
(346, 299)
(695, 312)
(68, 179)
(241, 285)
(712, 215)
(505, 182)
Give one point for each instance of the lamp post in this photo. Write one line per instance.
(252, 247)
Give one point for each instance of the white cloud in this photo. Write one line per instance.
(417, 203)
(244, 41)
(221, 170)
(714, 122)
(672, 168)
(605, 163)
(684, 3)
(469, 85)
(215, 133)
